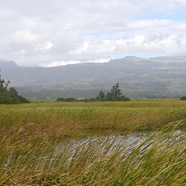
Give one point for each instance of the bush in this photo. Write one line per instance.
(114, 94)
(66, 99)
(9, 95)
(183, 98)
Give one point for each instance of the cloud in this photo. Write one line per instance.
(63, 63)
(24, 36)
(163, 37)
(46, 46)
(59, 63)
(61, 32)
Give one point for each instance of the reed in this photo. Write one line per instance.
(31, 136)
(158, 160)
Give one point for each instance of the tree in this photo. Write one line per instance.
(183, 98)
(67, 99)
(101, 96)
(115, 94)
(9, 95)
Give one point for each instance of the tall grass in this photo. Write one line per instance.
(76, 119)
(158, 160)
(31, 133)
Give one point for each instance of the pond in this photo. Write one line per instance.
(105, 146)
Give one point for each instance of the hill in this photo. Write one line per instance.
(138, 78)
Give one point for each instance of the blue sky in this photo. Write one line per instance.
(178, 14)
(56, 32)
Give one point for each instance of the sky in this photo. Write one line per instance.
(59, 32)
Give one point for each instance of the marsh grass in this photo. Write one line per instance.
(77, 119)
(158, 160)
(30, 133)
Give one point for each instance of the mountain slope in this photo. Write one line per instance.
(138, 77)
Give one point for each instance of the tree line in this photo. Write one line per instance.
(9, 95)
(115, 94)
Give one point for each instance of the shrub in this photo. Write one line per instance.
(183, 98)
(9, 95)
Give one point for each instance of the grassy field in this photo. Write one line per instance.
(76, 119)
(29, 134)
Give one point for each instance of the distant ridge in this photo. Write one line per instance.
(169, 59)
(7, 63)
(129, 58)
(138, 78)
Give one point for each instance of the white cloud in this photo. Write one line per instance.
(155, 23)
(150, 38)
(82, 49)
(59, 63)
(46, 46)
(100, 60)
(24, 36)
(22, 52)
(61, 32)
(63, 63)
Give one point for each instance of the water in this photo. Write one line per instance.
(98, 146)
(106, 145)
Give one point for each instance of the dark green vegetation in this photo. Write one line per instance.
(67, 99)
(138, 78)
(30, 133)
(114, 94)
(183, 98)
(9, 95)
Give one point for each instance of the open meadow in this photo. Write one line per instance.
(31, 136)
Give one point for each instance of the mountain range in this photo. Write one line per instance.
(137, 77)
